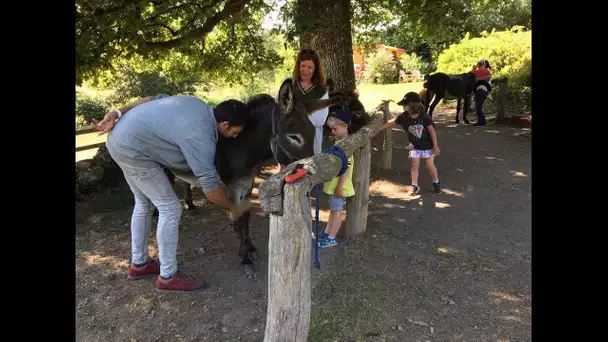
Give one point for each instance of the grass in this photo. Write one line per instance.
(372, 95)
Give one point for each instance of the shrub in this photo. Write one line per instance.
(411, 62)
(89, 106)
(509, 53)
(382, 68)
(80, 121)
(133, 84)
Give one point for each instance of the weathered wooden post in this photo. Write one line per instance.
(356, 208)
(289, 246)
(501, 101)
(387, 145)
(289, 250)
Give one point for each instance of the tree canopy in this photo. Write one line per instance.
(107, 30)
(207, 35)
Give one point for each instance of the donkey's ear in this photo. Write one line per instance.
(330, 85)
(285, 97)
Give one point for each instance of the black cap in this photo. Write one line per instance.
(233, 111)
(342, 115)
(409, 98)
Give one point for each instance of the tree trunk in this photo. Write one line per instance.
(325, 27)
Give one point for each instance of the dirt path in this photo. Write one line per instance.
(448, 267)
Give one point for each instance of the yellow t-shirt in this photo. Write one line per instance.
(348, 189)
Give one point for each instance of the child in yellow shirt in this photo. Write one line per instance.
(340, 187)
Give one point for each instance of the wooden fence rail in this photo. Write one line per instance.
(289, 245)
(86, 130)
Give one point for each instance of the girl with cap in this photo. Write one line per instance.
(339, 187)
(421, 133)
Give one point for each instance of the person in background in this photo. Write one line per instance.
(483, 87)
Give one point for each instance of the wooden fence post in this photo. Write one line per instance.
(289, 257)
(356, 208)
(387, 145)
(501, 101)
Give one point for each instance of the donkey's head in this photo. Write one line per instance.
(349, 101)
(292, 132)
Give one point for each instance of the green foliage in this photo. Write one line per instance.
(509, 53)
(132, 84)
(411, 62)
(80, 121)
(89, 106)
(439, 23)
(382, 68)
(112, 30)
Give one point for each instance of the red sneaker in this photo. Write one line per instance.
(178, 283)
(150, 269)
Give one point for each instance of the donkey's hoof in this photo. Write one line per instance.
(253, 256)
(466, 122)
(248, 268)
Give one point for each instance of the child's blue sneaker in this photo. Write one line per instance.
(327, 243)
(322, 236)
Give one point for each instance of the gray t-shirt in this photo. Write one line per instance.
(179, 132)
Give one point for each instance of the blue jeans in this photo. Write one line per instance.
(150, 185)
(480, 97)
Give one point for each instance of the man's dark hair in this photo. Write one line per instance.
(233, 111)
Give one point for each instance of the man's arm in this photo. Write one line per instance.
(107, 123)
(200, 155)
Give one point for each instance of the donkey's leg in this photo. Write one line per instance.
(465, 110)
(190, 207)
(438, 97)
(458, 109)
(239, 191)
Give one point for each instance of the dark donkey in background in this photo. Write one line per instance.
(459, 86)
(280, 130)
(350, 103)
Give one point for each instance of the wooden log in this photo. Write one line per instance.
(85, 130)
(289, 254)
(89, 147)
(321, 167)
(501, 101)
(387, 145)
(356, 209)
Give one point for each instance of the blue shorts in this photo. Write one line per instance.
(336, 203)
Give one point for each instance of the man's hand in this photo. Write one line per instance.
(107, 123)
(339, 191)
